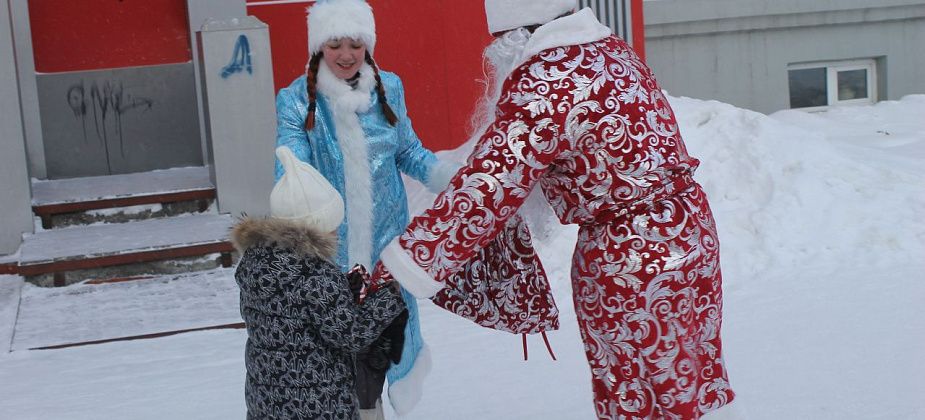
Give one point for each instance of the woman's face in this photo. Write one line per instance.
(344, 56)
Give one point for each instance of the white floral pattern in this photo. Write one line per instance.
(504, 287)
(589, 124)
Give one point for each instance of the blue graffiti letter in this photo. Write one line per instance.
(240, 58)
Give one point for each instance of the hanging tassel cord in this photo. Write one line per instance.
(548, 347)
(545, 340)
(525, 346)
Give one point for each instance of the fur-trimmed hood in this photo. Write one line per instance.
(334, 19)
(284, 234)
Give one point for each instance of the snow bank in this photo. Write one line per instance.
(795, 189)
(10, 290)
(820, 219)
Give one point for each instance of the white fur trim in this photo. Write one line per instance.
(405, 394)
(504, 15)
(410, 275)
(731, 411)
(341, 95)
(441, 174)
(575, 29)
(335, 19)
(345, 103)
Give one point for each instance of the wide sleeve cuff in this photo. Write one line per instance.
(410, 275)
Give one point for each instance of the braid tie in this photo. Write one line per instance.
(311, 81)
(380, 92)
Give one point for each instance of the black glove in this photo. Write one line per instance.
(394, 334)
(373, 361)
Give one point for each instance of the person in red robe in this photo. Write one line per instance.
(579, 115)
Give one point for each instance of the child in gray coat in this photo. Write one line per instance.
(304, 327)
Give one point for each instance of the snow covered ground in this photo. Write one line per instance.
(82, 313)
(823, 238)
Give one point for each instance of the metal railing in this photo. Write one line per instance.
(614, 13)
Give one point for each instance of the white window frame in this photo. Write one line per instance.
(831, 78)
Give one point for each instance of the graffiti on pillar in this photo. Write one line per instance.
(104, 104)
(240, 58)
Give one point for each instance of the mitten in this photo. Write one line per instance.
(381, 278)
(357, 278)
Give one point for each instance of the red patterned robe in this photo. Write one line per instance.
(584, 119)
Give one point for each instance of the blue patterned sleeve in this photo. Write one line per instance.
(412, 158)
(290, 126)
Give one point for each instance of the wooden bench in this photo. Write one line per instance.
(59, 268)
(89, 247)
(9, 267)
(61, 196)
(47, 211)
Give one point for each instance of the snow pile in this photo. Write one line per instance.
(10, 289)
(88, 312)
(820, 219)
(791, 190)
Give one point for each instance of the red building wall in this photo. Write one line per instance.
(434, 45)
(72, 35)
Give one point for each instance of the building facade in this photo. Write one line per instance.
(768, 55)
(101, 88)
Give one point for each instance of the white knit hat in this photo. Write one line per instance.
(504, 15)
(303, 194)
(333, 19)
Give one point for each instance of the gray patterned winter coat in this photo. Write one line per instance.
(303, 327)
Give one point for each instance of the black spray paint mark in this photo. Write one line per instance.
(105, 104)
(240, 58)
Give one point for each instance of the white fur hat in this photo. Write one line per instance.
(303, 194)
(332, 19)
(504, 15)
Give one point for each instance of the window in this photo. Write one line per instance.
(808, 88)
(820, 85)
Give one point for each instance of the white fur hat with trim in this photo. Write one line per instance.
(504, 15)
(302, 194)
(333, 19)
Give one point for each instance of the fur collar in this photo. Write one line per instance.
(283, 234)
(341, 95)
(578, 28)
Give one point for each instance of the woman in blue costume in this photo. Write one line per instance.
(349, 120)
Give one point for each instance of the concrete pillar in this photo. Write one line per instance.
(198, 11)
(28, 90)
(15, 205)
(240, 112)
